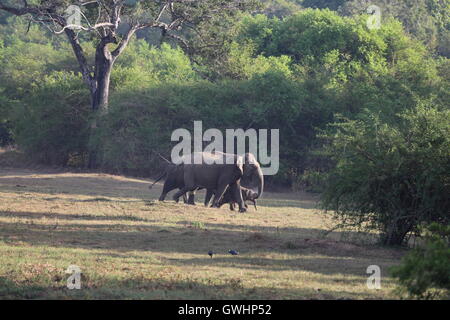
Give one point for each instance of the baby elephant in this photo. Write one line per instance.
(247, 195)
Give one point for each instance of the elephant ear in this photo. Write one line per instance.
(240, 164)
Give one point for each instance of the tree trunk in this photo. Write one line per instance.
(103, 66)
(396, 232)
(100, 92)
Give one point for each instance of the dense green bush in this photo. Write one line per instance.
(391, 177)
(5, 133)
(140, 122)
(426, 20)
(358, 68)
(5, 125)
(48, 110)
(27, 57)
(424, 272)
(51, 124)
(143, 66)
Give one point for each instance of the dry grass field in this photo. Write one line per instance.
(130, 246)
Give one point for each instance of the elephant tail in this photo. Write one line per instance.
(157, 179)
(159, 154)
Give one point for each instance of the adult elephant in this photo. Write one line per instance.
(174, 180)
(218, 171)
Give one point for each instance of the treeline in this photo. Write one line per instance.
(425, 20)
(295, 74)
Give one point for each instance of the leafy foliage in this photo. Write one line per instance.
(51, 124)
(391, 176)
(140, 122)
(426, 20)
(294, 74)
(424, 272)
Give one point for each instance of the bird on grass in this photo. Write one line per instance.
(233, 252)
(211, 253)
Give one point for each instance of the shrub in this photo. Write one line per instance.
(310, 181)
(5, 133)
(391, 177)
(424, 272)
(140, 122)
(144, 66)
(51, 125)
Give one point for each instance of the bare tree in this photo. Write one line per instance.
(103, 19)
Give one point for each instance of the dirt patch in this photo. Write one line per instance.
(323, 245)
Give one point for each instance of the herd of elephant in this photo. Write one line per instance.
(219, 173)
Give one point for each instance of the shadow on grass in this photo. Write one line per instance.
(257, 250)
(75, 217)
(257, 228)
(142, 288)
(101, 187)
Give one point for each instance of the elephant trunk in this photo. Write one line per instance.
(260, 177)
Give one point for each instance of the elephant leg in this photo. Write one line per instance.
(162, 196)
(181, 193)
(237, 195)
(188, 186)
(222, 187)
(164, 193)
(191, 198)
(168, 186)
(185, 199)
(209, 194)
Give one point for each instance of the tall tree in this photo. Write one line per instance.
(112, 23)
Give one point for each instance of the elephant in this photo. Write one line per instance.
(218, 171)
(247, 195)
(174, 180)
